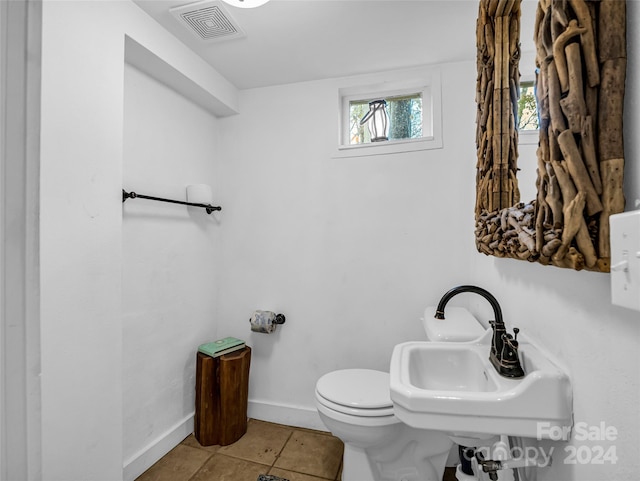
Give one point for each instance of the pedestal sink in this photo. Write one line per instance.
(453, 387)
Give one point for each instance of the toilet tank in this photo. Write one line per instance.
(459, 325)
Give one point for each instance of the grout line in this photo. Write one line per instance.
(201, 466)
(281, 450)
(266, 466)
(201, 448)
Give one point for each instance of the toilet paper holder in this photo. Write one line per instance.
(265, 321)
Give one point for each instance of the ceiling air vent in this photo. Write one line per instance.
(208, 21)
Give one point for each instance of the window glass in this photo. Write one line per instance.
(527, 107)
(405, 118)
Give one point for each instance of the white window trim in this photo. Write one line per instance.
(528, 137)
(384, 85)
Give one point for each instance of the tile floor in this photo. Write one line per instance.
(296, 454)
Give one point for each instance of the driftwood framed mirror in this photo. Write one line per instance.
(580, 51)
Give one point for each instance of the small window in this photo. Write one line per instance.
(527, 107)
(413, 107)
(404, 113)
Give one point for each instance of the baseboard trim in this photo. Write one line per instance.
(147, 456)
(299, 416)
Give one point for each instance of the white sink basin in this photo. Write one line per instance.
(453, 387)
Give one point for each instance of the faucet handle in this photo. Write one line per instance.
(513, 340)
(510, 337)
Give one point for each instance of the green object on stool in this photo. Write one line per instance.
(221, 346)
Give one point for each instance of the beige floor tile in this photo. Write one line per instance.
(311, 453)
(192, 442)
(262, 442)
(292, 476)
(179, 464)
(227, 468)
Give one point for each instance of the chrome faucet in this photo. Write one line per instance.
(504, 347)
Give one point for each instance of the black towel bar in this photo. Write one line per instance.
(132, 195)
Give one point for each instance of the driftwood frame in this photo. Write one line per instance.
(581, 59)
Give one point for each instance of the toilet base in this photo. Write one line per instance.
(355, 464)
(415, 455)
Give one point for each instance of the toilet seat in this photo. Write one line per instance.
(356, 392)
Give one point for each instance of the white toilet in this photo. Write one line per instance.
(355, 405)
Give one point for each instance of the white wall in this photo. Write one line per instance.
(81, 227)
(169, 278)
(350, 250)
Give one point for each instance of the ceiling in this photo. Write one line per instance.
(291, 41)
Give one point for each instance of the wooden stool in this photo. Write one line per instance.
(222, 393)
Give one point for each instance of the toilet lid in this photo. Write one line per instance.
(356, 388)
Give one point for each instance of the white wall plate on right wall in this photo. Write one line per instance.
(625, 259)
